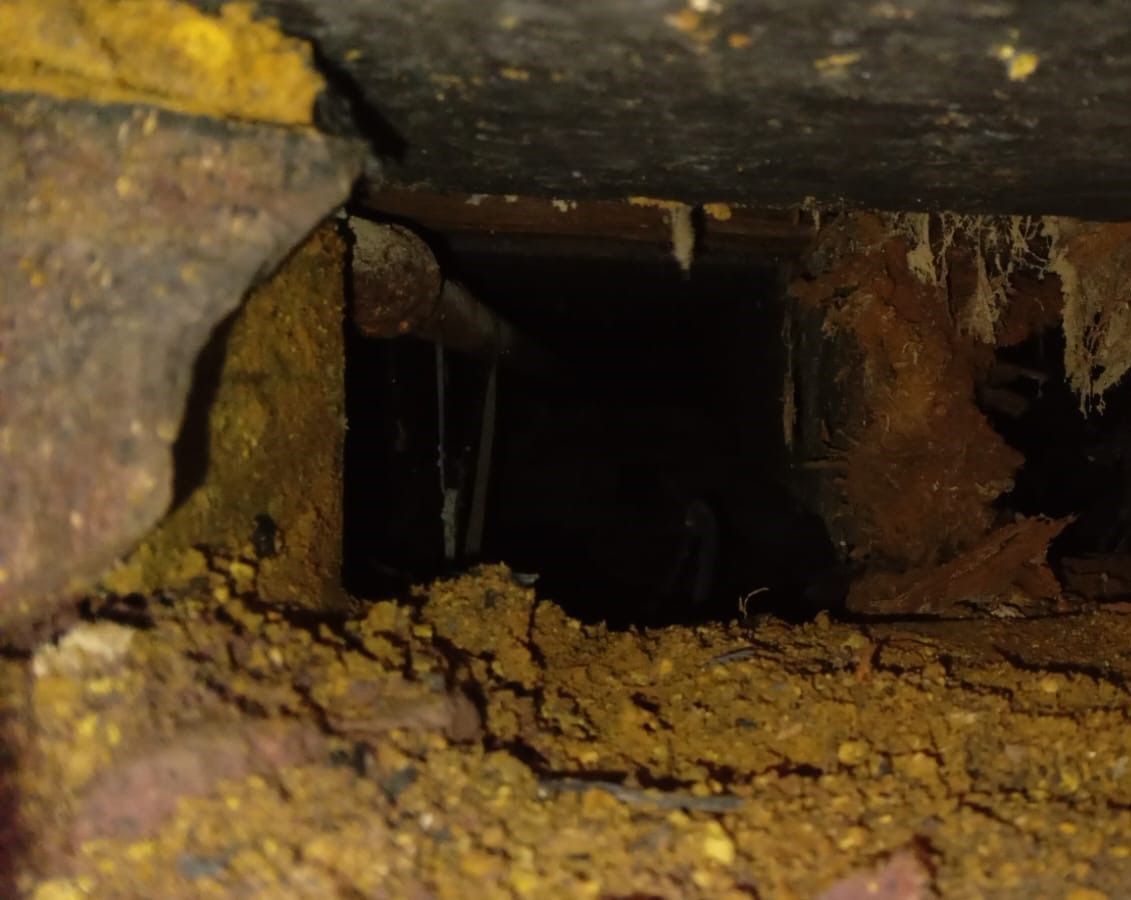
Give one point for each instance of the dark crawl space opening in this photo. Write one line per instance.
(1077, 461)
(641, 476)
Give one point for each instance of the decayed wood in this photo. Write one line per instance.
(1008, 558)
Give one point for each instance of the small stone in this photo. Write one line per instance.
(1069, 780)
(59, 889)
(86, 650)
(920, 766)
(1051, 684)
(717, 844)
(479, 864)
(242, 572)
(852, 753)
(852, 838)
(525, 882)
(192, 866)
(1081, 893)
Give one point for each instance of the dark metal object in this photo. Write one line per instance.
(477, 516)
(912, 104)
(398, 290)
(396, 280)
(126, 234)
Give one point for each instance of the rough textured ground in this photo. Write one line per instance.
(478, 742)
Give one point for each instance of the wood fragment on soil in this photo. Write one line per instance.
(1009, 563)
(373, 708)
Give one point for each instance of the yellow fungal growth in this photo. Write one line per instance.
(160, 52)
(654, 202)
(719, 211)
(1019, 65)
(686, 20)
(695, 22)
(1022, 66)
(836, 63)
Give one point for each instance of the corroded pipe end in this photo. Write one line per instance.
(396, 279)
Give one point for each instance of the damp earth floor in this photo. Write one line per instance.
(477, 741)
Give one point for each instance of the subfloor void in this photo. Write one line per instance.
(1076, 464)
(480, 736)
(642, 478)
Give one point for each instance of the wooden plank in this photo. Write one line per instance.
(997, 107)
(586, 227)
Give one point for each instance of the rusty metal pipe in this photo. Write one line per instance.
(398, 289)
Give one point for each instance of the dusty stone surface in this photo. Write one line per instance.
(965, 759)
(128, 233)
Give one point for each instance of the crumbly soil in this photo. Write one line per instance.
(476, 741)
(260, 451)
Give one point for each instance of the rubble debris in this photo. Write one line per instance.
(608, 763)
